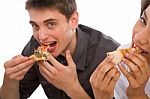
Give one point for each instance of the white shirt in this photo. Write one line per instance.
(122, 84)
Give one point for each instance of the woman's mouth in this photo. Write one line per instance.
(139, 49)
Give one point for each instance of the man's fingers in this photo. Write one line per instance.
(49, 67)
(19, 67)
(69, 59)
(15, 61)
(20, 74)
(45, 72)
(54, 62)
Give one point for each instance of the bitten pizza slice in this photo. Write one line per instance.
(120, 53)
(41, 53)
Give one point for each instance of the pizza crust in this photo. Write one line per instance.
(120, 53)
(117, 56)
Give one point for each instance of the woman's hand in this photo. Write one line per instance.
(104, 78)
(137, 75)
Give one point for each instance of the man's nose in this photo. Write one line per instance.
(43, 35)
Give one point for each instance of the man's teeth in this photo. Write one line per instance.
(53, 44)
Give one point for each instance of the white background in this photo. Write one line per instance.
(115, 18)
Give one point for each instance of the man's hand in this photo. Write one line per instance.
(17, 67)
(63, 77)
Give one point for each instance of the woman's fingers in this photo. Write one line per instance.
(101, 65)
(127, 74)
(114, 80)
(104, 71)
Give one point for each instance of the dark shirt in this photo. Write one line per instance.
(91, 49)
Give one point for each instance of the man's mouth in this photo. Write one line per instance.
(53, 43)
(52, 46)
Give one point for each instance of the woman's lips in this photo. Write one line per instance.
(140, 49)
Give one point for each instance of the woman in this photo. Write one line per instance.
(132, 84)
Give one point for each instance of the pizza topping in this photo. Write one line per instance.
(41, 53)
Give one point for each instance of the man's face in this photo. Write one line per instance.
(52, 28)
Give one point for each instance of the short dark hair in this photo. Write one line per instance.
(144, 5)
(65, 7)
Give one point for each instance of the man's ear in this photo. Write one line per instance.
(74, 20)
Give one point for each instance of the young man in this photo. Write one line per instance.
(76, 50)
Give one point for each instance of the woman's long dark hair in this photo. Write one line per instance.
(144, 5)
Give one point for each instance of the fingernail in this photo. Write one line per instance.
(132, 51)
(111, 57)
(67, 51)
(127, 55)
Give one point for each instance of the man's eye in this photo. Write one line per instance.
(51, 25)
(143, 21)
(35, 27)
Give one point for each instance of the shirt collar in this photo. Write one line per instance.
(81, 50)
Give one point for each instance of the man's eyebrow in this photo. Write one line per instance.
(32, 22)
(48, 20)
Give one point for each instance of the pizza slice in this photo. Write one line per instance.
(41, 53)
(120, 53)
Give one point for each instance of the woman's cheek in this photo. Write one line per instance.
(136, 28)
